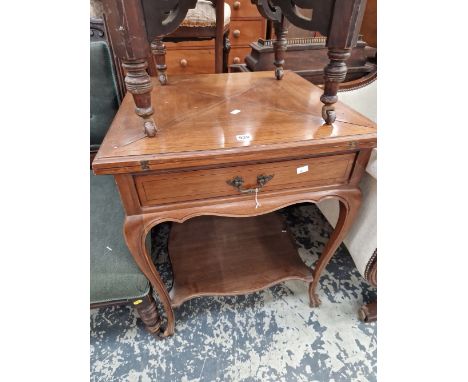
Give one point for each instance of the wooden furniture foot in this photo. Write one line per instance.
(139, 84)
(159, 51)
(349, 204)
(148, 312)
(368, 312)
(279, 46)
(135, 232)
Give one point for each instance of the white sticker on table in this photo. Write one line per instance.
(302, 169)
(244, 138)
(235, 111)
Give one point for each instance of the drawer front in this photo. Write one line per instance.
(179, 186)
(190, 61)
(237, 55)
(243, 8)
(243, 32)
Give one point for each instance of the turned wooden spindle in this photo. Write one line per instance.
(147, 310)
(159, 51)
(129, 42)
(139, 84)
(334, 74)
(279, 46)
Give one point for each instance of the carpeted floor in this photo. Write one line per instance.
(272, 335)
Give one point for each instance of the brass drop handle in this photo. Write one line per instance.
(238, 182)
(183, 62)
(236, 5)
(236, 60)
(236, 33)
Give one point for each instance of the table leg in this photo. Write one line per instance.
(135, 232)
(349, 205)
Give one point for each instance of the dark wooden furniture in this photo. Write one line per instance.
(238, 145)
(219, 32)
(308, 57)
(134, 23)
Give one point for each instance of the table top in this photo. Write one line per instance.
(227, 115)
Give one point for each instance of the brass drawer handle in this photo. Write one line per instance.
(236, 5)
(236, 60)
(238, 182)
(236, 33)
(183, 62)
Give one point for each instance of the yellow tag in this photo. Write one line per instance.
(137, 302)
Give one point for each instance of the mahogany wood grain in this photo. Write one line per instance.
(195, 123)
(170, 187)
(222, 256)
(182, 174)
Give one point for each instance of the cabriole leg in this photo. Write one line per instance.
(139, 84)
(135, 234)
(159, 51)
(348, 209)
(334, 74)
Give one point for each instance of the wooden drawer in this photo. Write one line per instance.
(197, 61)
(243, 32)
(237, 55)
(243, 8)
(178, 186)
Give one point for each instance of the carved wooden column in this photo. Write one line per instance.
(127, 30)
(280, 45)
(159, 51)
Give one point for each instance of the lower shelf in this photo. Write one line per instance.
(229, 256)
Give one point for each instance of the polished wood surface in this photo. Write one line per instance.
(194, 117)
(215, 129)
(222, 256)
(174, 186)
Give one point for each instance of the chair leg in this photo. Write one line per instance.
(146, 308)
(226, 50)
(334, 74)
(279, 46)
(159, 51)
(368, 312)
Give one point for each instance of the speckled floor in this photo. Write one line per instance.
(272, 335)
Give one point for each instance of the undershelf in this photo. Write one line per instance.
(229, 256)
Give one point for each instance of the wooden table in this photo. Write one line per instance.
(231, 149)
